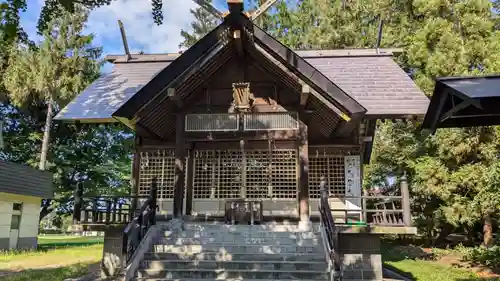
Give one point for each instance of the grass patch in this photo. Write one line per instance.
(21, 260)
(421, 269)
(52, 274)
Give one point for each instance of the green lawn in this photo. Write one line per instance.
(58, 241)
(426, 270)
(57, 258)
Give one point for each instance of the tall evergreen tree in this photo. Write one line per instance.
(452, 170)
(204, 23)
(55, 71)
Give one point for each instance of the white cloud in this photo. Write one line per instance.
(142, 33)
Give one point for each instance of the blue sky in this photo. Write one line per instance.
(142, 33)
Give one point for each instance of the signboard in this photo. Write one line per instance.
(352, 166)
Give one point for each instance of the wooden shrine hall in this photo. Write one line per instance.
(239, 116)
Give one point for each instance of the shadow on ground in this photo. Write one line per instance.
(49, 273)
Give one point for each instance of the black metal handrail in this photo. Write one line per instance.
(139, 225)
(331, 231)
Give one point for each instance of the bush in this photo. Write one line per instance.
(480, 255)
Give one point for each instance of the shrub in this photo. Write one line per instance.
(480, 255)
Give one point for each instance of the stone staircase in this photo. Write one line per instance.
(208, 251)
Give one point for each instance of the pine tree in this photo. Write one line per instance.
(204, 23)
(453, 171)
(55, 71)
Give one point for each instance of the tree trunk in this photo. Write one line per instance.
(46, 135)
(488, 231)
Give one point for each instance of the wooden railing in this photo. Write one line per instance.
(328, 224)
(103, 210)
(380, 210)
(140, 224)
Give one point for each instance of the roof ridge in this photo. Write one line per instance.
(354, 52)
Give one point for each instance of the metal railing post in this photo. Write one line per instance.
(405, 193)
(153, 196)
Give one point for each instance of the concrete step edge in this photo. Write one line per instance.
(211, 279)
(231, 270)
(234, 261)
(155, 243)
(284, 255)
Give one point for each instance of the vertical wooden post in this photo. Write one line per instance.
(243, 190)
(180, 160)
(135, 174)
(405, 193)
(303, 148)
(189, 183)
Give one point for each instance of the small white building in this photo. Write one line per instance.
(22, 189)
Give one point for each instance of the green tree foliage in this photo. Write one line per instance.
(55, 71)
(204, 23)
(55, 8)
(99, 156)
(453, 172)
(10, 33)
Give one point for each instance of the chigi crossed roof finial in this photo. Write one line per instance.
(235, 6)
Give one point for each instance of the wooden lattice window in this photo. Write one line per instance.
(159, 164)
(332, 168)
(257, 174)
(284, 173)
(219, 174)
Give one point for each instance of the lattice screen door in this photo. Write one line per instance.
(256, 174)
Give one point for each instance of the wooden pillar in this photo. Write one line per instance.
(135, 173)
(180, 153)
(405, 193)
(303, 148)
(189, 183)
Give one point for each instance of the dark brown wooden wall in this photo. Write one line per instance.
(215, 96)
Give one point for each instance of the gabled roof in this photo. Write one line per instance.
(215, 42)
(357, 81)
(464, 102)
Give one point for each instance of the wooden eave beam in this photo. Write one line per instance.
(176, 68)
(305, 86)
(306, 71)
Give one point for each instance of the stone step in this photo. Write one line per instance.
(228, 279)
(216, 256)
(238, 241)
(233, 265)
(237, 249)
(245, 234)
(246, 228)
(225, 274)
